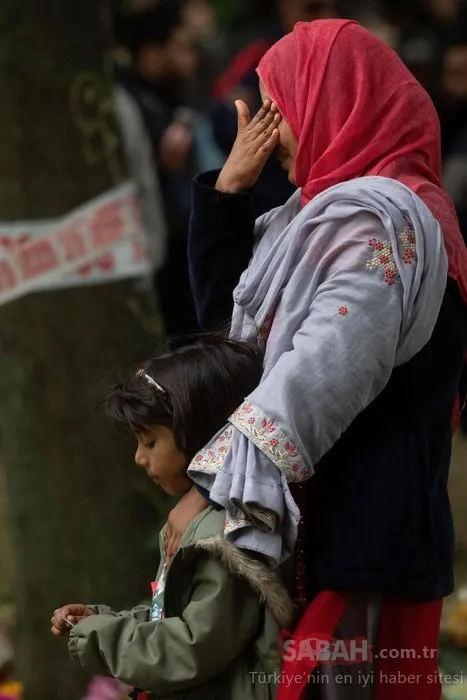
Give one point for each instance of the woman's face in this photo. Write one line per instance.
(286, 151)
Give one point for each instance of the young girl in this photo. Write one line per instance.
(214, 625)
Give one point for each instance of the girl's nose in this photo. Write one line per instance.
(140, 459)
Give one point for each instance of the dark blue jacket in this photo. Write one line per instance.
(378, 509)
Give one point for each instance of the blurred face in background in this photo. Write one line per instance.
(455, 73)
(293, 11)
(200, 17)
(182, 53)
(176, 59)
(444, 10)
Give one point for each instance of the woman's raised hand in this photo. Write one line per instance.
(188, 507)
(256, 140)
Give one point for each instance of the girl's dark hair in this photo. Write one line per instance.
(198, 387)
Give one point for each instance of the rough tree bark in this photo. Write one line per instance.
(79, 521)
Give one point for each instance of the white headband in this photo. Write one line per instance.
(150, 380)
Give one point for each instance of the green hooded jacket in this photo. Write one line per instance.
(219, 638)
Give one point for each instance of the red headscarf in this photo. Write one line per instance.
(356, 110)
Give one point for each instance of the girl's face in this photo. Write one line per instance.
(286, 151)
(163, 461)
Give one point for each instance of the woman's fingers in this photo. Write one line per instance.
(256, 139)
(270, 143)
(171, 540)
(261, 115)
(273, 124)
(173, 545)
(259, 127)
(269, 124)
(266, 143)
(243, 114)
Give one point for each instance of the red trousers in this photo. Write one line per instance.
(404, 661)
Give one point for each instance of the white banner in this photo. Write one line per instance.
(100, 241)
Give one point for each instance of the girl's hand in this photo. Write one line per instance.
(256, 140)
(74, 613)
(191, 505)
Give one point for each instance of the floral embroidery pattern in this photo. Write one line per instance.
(275, 444)
(383, 259)
(383, 254)
(407, 238)
(211, 459)
(343, 310)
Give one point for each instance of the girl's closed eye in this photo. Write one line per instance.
(150, 445)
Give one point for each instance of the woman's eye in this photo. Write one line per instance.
(150, 445)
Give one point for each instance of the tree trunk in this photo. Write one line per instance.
(78, 515)
(5, 548)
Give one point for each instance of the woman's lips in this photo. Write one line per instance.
(283, 157)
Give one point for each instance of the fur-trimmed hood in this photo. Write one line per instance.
(207, 533)
(262, 578)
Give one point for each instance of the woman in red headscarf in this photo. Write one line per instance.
(357, 290)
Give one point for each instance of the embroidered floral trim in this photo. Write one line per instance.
(343, 310)
(271, 440)
(383, 254)
(211, 460)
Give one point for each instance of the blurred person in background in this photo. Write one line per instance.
(152, 92)
(405, 27)
(200, 17)
(292, 11)
(453, 110)
(454, 127)
(452, 16)
(103, 688)
(240, 81)
(455, 133)
(444, 17)
(10, 689)
(372, 17)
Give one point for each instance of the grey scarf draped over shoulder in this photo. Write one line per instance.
(339, 292)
